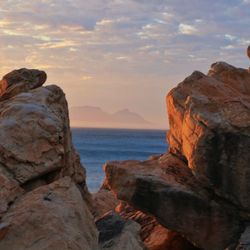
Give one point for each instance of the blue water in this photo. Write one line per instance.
(97, 146)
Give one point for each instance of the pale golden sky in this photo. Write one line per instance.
(119, 54)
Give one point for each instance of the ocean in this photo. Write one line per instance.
(97, 146)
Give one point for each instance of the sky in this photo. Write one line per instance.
(118, 54)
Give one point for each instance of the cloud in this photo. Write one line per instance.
(186, 29)
(92, 46)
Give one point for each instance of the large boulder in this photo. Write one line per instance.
(209, 118)
(50, 217)
(44, 201)
(167, 189)
(35, 137)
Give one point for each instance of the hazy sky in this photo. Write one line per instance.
(122, 53)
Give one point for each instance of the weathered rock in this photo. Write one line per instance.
(35, 138)
(153, 235)
(117, 233)
(36, 150)
(210, 129)
(167, 189)
(21, 80)
(50, 217)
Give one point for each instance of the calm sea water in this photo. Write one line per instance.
(97, 146)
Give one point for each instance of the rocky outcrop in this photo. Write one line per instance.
(167, 189)
(44, 201)
(209, 119)
(50, 217)
(200, 187)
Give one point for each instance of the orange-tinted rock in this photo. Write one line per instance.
(209, 119)
(167, 189)
(50, 217)
(154, 235)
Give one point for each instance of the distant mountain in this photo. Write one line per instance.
(89, 116)
(127, 116)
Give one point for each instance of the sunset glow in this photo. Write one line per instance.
(117, 54)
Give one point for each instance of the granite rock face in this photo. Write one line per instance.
(50, 217)
(210, 129)
(200, 188)
(44, 201)
(35, 138)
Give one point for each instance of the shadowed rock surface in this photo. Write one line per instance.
(117, 233)
(200, 188)
(154, 235)
(167, 189)
(244, 242)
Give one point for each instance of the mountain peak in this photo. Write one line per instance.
(92, 116)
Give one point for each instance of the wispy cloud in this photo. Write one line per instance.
(94, 48)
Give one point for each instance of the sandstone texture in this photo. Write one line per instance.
(209, 119)
(200, 187)
(50, 217)
(44, 201)
(154, 235)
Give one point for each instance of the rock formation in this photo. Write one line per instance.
(197, 192)
(52, 216)
(44, 202)
(200, 188)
